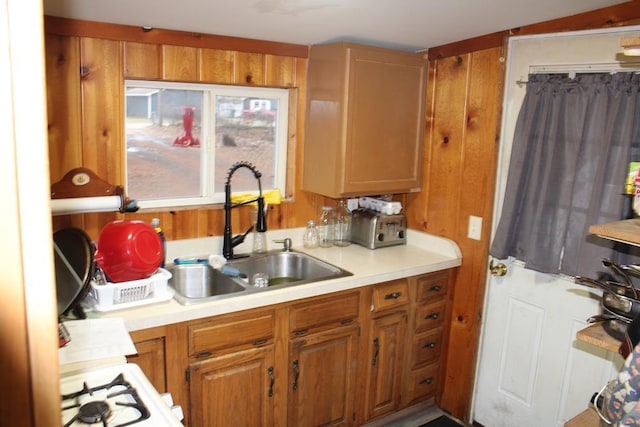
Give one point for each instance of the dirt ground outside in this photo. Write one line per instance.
(158, 169)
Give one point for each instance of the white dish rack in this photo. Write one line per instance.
(118, 296)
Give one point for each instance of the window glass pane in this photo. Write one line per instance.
(182, 139)
(246, 130)
(163, 141)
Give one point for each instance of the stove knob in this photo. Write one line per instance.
(401, 234)
(381, 237)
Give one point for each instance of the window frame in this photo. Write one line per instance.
(208, 196)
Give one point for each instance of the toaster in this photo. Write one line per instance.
(374, 230)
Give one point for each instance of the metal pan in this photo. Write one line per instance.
(74, 265)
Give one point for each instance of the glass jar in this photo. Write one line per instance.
(342, 230)
(325, 227)
(310, 238)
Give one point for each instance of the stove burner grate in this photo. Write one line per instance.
(99, 411)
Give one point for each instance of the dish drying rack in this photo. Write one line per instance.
(107, 296)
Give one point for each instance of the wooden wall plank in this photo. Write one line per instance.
(446, 177)
(482, 120)
(142, 60)
(249, 69)
(279, 71)
(217, 66)
(180, 63)
(62, 60)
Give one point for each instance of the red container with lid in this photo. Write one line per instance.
(128, 250)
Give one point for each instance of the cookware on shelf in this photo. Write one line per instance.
(74, 268)
(128, 250)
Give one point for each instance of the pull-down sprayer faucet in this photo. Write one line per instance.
(261, 225)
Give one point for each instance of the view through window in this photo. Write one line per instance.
(181, 139)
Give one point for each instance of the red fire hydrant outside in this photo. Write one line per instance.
(187, 139)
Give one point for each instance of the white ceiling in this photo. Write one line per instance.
(403, 24)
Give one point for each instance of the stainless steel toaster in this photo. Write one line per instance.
(373, 229)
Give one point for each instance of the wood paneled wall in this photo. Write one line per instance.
(86, 67)
(463, 118)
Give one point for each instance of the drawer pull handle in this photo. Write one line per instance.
(260, 342)
(376, 350)
(273, 380)
(393, 295)
(203, 354)
(432, 316)
(427, 380)
(296, 372)
(301, 332)
(429, 345)
(435, 288)
(346, 321)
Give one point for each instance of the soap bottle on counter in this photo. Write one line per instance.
(259, 237)
(155, 223)
(326, 227)
(342, 230)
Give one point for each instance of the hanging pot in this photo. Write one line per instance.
(622, 305)
(74, 267)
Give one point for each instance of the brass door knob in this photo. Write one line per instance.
(499, 269)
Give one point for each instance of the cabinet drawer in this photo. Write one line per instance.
(423, 382)
(430, 316)
(426, 347)
(230, 331)
(330, 311)
(432, 287)
(390, 294)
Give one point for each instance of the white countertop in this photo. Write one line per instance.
(423, 253)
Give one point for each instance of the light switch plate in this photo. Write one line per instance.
(475, 227)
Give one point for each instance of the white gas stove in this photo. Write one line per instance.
(114, 396)
(99, 387)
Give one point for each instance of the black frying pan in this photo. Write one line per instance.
(73, 256)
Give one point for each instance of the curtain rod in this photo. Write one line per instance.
(573, 69)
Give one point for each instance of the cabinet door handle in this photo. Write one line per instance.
(260, 342)
(300, 332)
(393, 295)
(427, 380)
(272, 376)
(429, 345)
(346, 321)
(376, 350)
(296, 373)
(432, 316)
(434, 288)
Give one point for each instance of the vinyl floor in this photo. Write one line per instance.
(442, 421)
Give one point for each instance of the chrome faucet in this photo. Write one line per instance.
(261, 225)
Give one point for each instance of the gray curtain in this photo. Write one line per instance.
(573, 142)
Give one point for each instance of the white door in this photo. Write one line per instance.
(531, 369)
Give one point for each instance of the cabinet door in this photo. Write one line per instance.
(385, 121)
(233, 389)
(151, 359)
(322, 374)
(385, 374)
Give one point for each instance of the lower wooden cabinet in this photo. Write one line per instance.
(233, 389)
(322, 378)
(340, 359)
(386, 341)
(151, 358)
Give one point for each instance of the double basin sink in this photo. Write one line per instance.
(196, 283)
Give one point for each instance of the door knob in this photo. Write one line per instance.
(499, 269)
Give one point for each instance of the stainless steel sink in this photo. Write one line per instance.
(200, 282)
(288, 268)
(195, 283)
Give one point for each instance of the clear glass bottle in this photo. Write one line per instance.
(310, 238)
(325, 227)
(342, 230)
